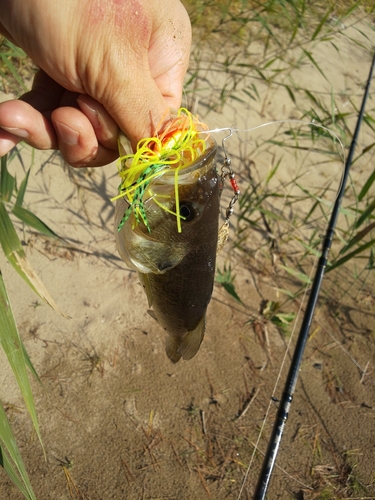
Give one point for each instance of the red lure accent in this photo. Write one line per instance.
(234, 184)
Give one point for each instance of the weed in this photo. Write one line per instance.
(11, 202)
(15, 67)
(226, 280)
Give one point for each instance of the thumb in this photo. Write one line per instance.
(138, 107)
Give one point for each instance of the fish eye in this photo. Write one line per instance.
(187, 211)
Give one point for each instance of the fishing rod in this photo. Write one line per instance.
(290, 384)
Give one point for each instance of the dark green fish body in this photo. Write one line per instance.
(177, 269)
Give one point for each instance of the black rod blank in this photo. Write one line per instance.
(290, 385)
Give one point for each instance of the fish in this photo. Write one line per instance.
(176, 268)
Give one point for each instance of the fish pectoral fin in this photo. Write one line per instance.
(152, 256)
(187, 346)
(145, 282)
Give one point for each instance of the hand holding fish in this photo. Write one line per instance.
(104, 65)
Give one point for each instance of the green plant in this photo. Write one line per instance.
(11, 204)
(226, 280)
(15, 67)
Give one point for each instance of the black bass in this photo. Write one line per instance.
(176, 268)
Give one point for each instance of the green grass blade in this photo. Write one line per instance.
(297, 274)
(229, 288)
(13, 50)
(13, 348)
(371, 260)
(291, 94)
(7, 181)
(226, 279)
(364, 151)
(310, 250)
(10, 67)
(262, 20)
(350, 255)
(350, 10)
(22, 190)
(365, 214)
(16, 256)
(310, 57)
(7, 465)
(29, 363)
(370, 181)
(322, 22)
(9, 443)
(33, 221)
(358, 237)
(273, 171)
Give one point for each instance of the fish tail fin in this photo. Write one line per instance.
(187, 346)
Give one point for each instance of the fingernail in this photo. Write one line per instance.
(91, 113)
(19, 132)
(67, 134)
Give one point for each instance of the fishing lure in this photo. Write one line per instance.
(226, 171)
(176, 146)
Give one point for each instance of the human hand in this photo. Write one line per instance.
(105, 65)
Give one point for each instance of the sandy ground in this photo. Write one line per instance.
(118, 420)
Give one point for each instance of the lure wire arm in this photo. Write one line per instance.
(226, 171)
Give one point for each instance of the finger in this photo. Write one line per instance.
(106, 129)
(46, 94)
(140, 102)
(169, 62)
(137, 109)
(7, 142)
(24, 122)
(77, 140)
